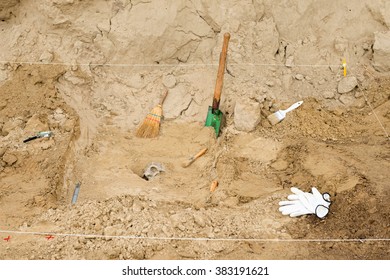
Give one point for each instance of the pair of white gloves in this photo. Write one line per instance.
(302, 203)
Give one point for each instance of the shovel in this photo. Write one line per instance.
(214, 115)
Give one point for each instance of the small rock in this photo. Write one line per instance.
(231, 201)
(98, 225)
(246, 115)
(178, 224)
(337, 111)
(46, 57)
(77, 81)
(176, 219)
(358, 94)
(359, 103)
(181, 227)
(169, 81)
(366, 46)
(210, 233)
(104, 25)
(189, 254)
(110, 231)
(137, 206)
(270, 83)
(321, 82)
(347, 84)
(10, 159)
(328, 94)
(47, 144)
(347, 100)
(88, 237)
(199, 220)
(260, 98)
(299, 77)
(39, 199)
(128, 218)
(290, 61)
(379, 133)
(381, 59)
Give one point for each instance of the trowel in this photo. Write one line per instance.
(42, 134)
(214, 115)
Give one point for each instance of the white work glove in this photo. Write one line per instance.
(302, 203)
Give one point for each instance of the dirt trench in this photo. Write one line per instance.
(345, 155)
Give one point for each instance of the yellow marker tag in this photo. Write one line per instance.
(345, 67)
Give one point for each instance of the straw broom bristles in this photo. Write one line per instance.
(151, 125)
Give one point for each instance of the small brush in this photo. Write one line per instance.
(193, 158)
(278, 116)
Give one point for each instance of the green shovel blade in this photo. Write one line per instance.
(214, 119)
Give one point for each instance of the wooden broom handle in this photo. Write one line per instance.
(163, 97)
(221, 71)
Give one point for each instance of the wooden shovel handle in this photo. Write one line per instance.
(201, 153)
(163, 97)
(221, 71)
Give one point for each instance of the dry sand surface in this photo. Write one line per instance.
(90, 71)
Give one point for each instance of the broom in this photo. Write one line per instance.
(151, 125)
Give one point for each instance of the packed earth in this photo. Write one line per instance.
(90, 72)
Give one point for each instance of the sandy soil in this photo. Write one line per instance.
(85, 88)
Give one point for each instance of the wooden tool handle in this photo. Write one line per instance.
(30, 138)
(163, 97)
(201, 153)
(213, 186)
(294, 106)
(221, 71)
